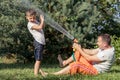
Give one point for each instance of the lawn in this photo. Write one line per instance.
(25, 72)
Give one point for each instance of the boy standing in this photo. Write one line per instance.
(35, 28)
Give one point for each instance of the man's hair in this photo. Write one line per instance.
(106, 38)
(31, 12)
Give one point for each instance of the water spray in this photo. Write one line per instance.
(48, 20)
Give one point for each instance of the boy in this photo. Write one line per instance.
(39, 40)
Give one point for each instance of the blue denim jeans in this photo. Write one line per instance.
(38, 51)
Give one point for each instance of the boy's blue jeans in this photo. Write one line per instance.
(38, 51)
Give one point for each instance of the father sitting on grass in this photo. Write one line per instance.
(89, 61)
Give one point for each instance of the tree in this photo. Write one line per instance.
(106, 23)
(83, 19)
(14, 35)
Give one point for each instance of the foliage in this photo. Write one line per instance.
(14, 35)
(81, 18)
(115, 43)
(108, 22)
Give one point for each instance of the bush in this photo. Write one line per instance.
(116, 44)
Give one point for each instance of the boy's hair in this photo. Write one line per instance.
(106, 38)
(30, 12)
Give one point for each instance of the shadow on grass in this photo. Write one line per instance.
(15, 65)
(26, 65)
(28, 75)
(114, 71)
(50, 77)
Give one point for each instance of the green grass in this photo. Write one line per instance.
(25, 72)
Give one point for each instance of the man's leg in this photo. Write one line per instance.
(65, 70)
(64, 62)
(81, 65)
(77, 67)
(75, 57)
(43, 73)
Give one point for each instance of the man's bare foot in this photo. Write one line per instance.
(60, 60)
(44, 74)
(54, 73)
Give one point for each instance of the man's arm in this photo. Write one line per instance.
(85, 55)
(89, 57)
(90, 51)
(40, 26)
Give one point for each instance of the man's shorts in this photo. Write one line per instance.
(38, 51)
(81, 65)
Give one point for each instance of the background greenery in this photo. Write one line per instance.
(84, 19)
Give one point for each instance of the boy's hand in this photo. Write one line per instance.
(42, 18)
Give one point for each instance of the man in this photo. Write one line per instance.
(89, 61)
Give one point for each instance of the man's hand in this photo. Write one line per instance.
(75, 41)
(76, 46)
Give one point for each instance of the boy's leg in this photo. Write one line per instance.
(38, 57)
(36, 67)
